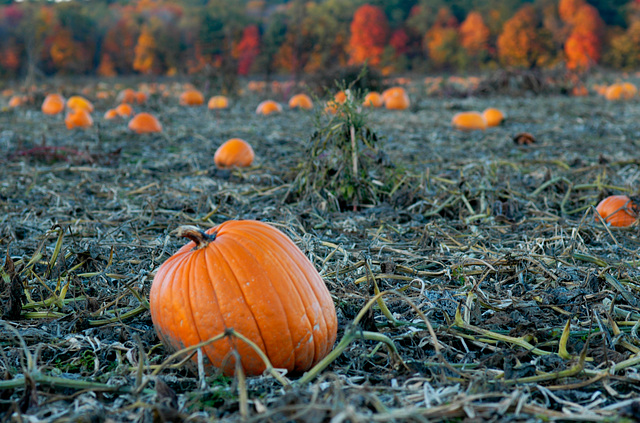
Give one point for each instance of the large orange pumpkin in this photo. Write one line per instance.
(218, 102)
(249, 276)
(301, 101)
(494, 117)
(191, 98)
(234, 152)
(53, 104)
(267, 107)
(469, 121)
(78, 118)
(144, 123)
(618, 210)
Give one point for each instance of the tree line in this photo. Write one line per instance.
(165, 37)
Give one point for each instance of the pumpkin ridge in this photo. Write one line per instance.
(191, 263)
(325, 326)
(244, 297)
(230, 341)
(175, 267)
(216, 258)
(255, 236)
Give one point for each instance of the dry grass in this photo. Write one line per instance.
(491, 293)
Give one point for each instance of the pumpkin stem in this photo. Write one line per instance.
(195, 234)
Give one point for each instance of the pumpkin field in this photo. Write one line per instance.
(471, 276)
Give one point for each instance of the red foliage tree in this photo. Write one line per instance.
(247, 49)
(369, 34)
(399, 41)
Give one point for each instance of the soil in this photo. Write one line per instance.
(504, 297)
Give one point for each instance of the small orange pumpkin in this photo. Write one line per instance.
(76, 102)
(234, 152)
(373, 99)
(111, 114)
(128, 95)
(340, 97)
(144, 123)
(267, 107)
(618, 210)
(218, 102)
(17, 101)
(397, 99)
(53, 104)
(191, 98)
(141, 97)
(493, 116)
(124, 110)
(469, 121)
(392, 92)
(629, 90)
(249, 276)
(78, 118)
(301, 101)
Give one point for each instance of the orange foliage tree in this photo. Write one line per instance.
(145, 51)
(522, 42)
(474, 35)
(584, 44)
(441, 40)
(369, 34)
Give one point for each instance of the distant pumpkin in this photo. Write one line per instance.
(234, 152)
(397, 99)
(267, 107)
(191, 97)
(78, 102)
(373, 99)
(141, 97)
(143, 123)
(111, 114)
(301, 101)
(218, 102)
(127, 95)
(493, 116)
(78, 118)
(618, 210)
(392, 92)
(124, 110)
(53, 104)
(17, 101)
(340, 97)
(469, 121)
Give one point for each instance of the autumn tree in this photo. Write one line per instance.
(584, 44)
(474, 37)
(441, 40)
(145, 58)
(369, 34)
(10, 48)
(523, 43)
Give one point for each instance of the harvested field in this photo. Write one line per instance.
(481, 288)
